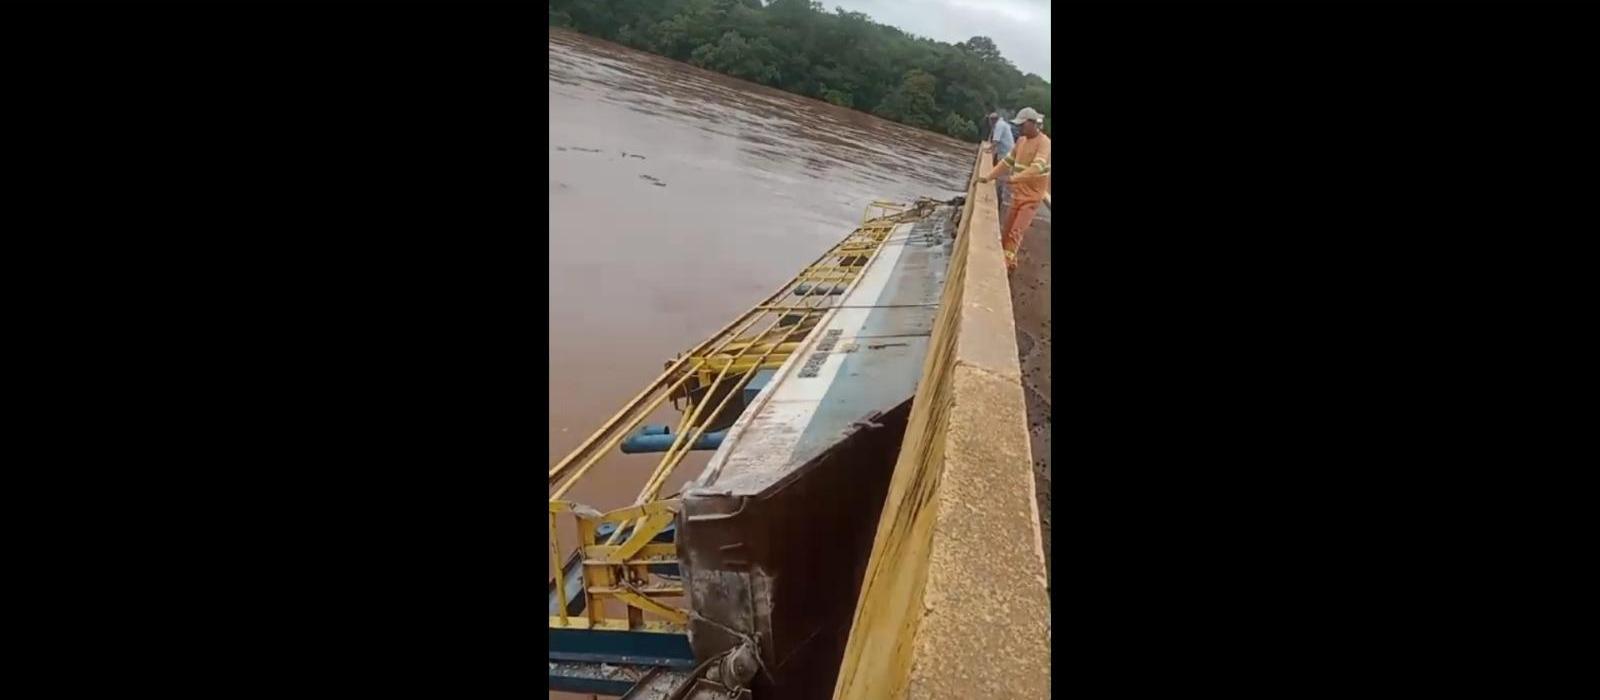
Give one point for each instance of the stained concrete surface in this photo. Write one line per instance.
(931, 622)
(1030, 302)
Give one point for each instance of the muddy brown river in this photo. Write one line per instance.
(679, 198)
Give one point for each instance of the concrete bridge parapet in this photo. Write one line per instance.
(955, 602)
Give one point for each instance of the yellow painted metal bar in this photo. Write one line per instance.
(577, 509)
(654, 553)
(882, 206)
(643, 532)
(634, 600)
(637, 417)
(741, 366)
(566, 462)
(659, 591)
(683, 422)
(638, 510)
(680, 446)
(782, 347)
(579, 623)
(748, 318)
(611, 444)
(667, 460)
(600, 581)
(655, 487)
(561, 575)
(593, 576)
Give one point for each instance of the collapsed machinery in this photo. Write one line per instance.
(742, 585)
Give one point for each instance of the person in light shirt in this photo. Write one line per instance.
(997, 138)
(998, 134)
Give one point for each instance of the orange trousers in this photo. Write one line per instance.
(1016, 223)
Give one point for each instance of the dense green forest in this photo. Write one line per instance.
(841, 57)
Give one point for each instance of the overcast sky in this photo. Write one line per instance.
(1021, 28)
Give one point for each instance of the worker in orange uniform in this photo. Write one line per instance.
(1029, 166)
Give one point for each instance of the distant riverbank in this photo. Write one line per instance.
(843, 58)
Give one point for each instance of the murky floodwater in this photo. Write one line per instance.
(680, 198)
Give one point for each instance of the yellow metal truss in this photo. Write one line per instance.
(715, 371)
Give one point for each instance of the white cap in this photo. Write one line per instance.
(1028, 113)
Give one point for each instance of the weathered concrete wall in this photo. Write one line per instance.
(954, 604)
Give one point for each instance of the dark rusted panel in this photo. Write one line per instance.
(775, 534)
(784, 566)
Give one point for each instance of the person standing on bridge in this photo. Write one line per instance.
(1029, 168)
(998, 134)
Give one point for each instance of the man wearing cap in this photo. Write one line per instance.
(999, 135)
(1029, 167)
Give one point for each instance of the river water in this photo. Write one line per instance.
(679, 198)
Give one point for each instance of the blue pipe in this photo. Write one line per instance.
(661, 442)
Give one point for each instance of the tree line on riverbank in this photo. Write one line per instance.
(842, 57)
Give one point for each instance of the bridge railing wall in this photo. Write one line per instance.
(954, 604)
